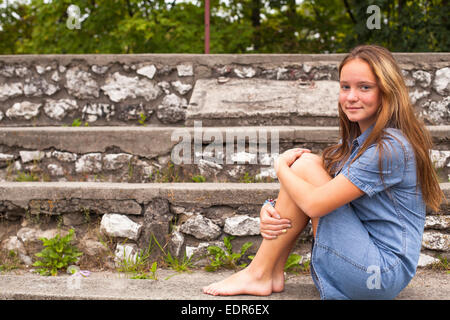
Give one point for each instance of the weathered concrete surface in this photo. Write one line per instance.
(252, 101)
(142, 141)
(156, 141)
(406, 59)
(426, 285)
(202, 194)
(184, 193)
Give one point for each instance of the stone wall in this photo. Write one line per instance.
(54, 90)
(111, 219)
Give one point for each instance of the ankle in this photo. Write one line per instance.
(260, 273)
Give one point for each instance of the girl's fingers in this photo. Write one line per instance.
(267, 237)
(274, 224)
(270, 219)
(268, 234)
(271, 223)
(271, 212)
(293, 154)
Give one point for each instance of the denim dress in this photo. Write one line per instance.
(369, 248)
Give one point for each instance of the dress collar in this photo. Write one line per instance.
(362, 137)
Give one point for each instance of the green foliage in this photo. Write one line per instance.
(142, 119)
(413, 26)
(247, 179)
(139, 265)
(442, 264)
(236, 26)
(27, 177)
(198, 178)
(77, 123)
(226, 258)
(57, 254)
(293, 264)
(151, 274)
(9, 260)
(169, 174)
(173, 262)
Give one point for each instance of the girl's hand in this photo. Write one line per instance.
(271, 225)
(289, 157)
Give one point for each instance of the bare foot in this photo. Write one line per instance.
(278, 281)
(242, 282)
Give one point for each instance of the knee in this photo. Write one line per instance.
(306, 161)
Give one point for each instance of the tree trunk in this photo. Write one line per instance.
(349, 11)
(256, 24)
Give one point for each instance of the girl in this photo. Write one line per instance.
(365, 196)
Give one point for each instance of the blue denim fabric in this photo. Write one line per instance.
(369, 248)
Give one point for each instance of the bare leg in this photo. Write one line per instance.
(316, 175)
(265, 273)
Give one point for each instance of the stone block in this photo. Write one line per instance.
(242, 226)
(201, 228)
(117, 225)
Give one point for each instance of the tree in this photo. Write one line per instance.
(409, 26)
(237, 26)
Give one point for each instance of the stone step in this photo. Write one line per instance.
(185, 287)
(264, 102)
(147, 154)
(187, 216)
(23, 194)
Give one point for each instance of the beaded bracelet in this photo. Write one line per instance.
(271, 201)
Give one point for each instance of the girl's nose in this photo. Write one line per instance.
(352, 96)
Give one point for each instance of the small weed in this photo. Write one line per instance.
(77, 123)
(135, 264)
(198, 178)
(57, 254)
(9, 261)
(293, 264)
(247, 178)
(87, 216)
(139, 265)
(227, 259)
(148, 275)
(441, 265)
(27, 177)
(9, 168)
(168, 175)
(173, 262)
(142, 118)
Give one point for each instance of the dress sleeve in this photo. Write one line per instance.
(365, 172)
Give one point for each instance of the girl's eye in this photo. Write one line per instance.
(365, 87)
(345, 87)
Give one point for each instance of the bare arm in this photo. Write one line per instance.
(317, 201)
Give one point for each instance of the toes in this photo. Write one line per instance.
(212, 290)
(215, 292)
(209, 289)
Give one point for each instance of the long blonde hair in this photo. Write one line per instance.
(396, 111)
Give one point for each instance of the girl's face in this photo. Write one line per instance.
(359, 96)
